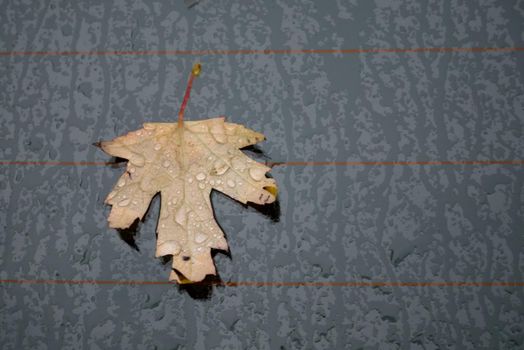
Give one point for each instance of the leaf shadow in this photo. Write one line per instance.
(255, 151)
(271, 211)
(129, 235)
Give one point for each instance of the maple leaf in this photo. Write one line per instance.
(184, 161)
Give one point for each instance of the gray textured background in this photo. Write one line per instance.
(381, 223)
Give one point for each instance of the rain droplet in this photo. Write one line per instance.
(149, 126)
(190, 180)
(218, 132)
(256, 174)
(201, 185)
(124, 202)
(200, 237)
(231, 183)
(121, 183)
(166, 163)
(220, 167)
(157, 147)
(131, 170)
(200, 176)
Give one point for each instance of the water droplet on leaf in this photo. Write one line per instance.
(124, 203)
(256, 174)
(200, 237)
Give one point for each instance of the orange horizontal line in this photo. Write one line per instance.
(300, 163)
(405, 163)
(30, 162)
(258, 52)
(274, 284)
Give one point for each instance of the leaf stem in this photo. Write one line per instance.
(195, 72)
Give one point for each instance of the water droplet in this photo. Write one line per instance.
(220, 167)
(201, 185)
(257, 174)
(131, 170)
(200, 176)
(139, 133)
(121, 183)
(218, 132)
(200, 237)
(135, 202)
(210, 158)
(211, 182)
(231, 183)
(157, 147)
(149, 126)
(111, 195)
(190, 180)
(124, 202)
(166, 163)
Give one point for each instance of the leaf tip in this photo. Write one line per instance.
(272, 189)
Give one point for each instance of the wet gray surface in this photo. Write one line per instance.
(373, 223)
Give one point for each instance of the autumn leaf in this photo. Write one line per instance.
(184, 161)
